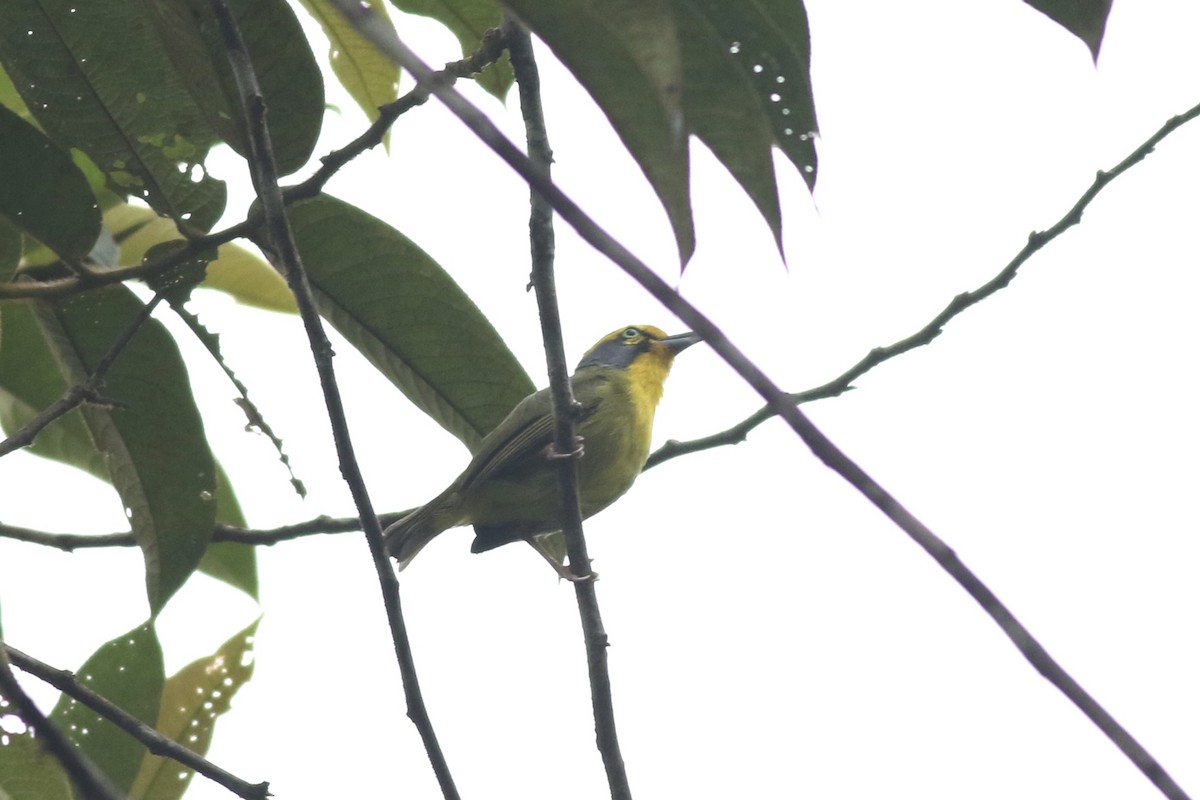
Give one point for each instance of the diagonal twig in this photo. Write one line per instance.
(541, 242)
(155, 742)
(265, 177)
(779, 401)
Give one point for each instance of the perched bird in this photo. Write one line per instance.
(510, 492)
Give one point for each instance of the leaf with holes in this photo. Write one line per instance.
(26, 772)
(192, 700)
(127, 671)
(408, 317)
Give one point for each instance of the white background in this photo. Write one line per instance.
(772, 634)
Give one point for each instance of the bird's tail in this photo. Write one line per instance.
(404, 538)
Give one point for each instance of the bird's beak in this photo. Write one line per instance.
(680, 342)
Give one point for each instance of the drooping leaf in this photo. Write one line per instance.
(237, 271)
(192, 700)
(468, 20)
(43, 192)
(626, 55)
(153, 443)
(27, 773)
(1086, 19)
(30, 381)
(127, 671)
(287, 72)
(768, 40)
(95, 79)
(232, 562)
(722, 110)
(369, 76)
(408, 317)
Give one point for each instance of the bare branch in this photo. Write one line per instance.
(266, 184)
(781, 404)
(541, 241)
(154, 741)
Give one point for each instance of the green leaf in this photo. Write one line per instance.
(11, 99)
(369, 76)
(128, 671)
(29, 382)
(1086, 19)
(723, 110)
(468, 20)
(287, 72)
(768, 41)
(10, 250)
(26, 773)
(192, 700)
(42, 192)
(237, 272)
(626, 54)
(153, 443)
(408, 317)
(95, 79)
(232, 562)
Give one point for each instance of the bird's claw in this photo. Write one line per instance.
(551, 452)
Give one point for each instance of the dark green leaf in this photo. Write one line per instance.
(95, 79)
(232, 562)
(153, 444)
(369, 76)
(468, 20)
(127, 671)
(408, 317)
(768, 41)
(287, 72)
(626, 54)
(43, 192)
(29, 382)
(723, 110)
(1084, 18)
(10, 250)
(192, 700)
(26, 773)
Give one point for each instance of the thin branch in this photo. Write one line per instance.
(265, 177)
(779, 401)
(155, 742)
(933, 328)
(541, 241)
(86, 392)
(91, 782)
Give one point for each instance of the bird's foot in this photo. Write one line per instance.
(550, 452)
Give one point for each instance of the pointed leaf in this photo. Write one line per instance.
(768, 41)
(30, 380)
(127, 671)
(90, 87)
(1084, 18)
(626, 55)
(367, 74)
(43, 192)
(287, 72)
(468, 20)
(408, 317)
(232, 562)
(192, 700)
(153, 445)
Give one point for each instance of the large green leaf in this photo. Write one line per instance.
(127, 671)
(287, 72)
(153, 442)
(626, 54)
(43, 192)
(768, 41)
(26, 773)
(192, 700)
(370, 77)
(408, 317)
(468, 20)
(236, 271)
(232, 562)
(95, 79)
(1084, 18)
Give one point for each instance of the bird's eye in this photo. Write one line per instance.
(631, 333)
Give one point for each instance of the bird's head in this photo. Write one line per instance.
(644, 351)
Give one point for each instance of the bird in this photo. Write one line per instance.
(510, 492)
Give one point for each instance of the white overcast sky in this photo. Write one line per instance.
(772, 634)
